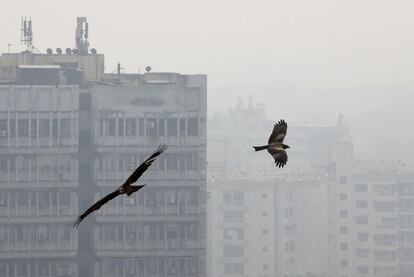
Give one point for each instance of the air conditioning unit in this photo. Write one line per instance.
(3, 133)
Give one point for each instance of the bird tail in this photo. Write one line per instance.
(260, 148)
(77, 222)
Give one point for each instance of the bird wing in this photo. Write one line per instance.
(96, 206)
(279, 132)
(144, 166)
(279, 155)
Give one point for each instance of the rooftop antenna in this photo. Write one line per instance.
(82, 30)
(27, 33)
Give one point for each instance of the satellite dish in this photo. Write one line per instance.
(68, 51)
(75, 51)
(59, 51)
(93, 51)
(49, 51)
(148, 68)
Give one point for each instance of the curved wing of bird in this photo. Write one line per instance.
(96, 206)
(279, 132)
(279, 155)
(144, 166)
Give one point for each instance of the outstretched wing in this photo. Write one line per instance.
(144, 166)
(280, 156)
(96, 206)
(279, 132)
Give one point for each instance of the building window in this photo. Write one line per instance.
(23, 128)
(192, 127)
(233, 268)
(344, 246)
(131, 127)
(264, 214)
(44, 129)
(384, 190)
(264, 195)
(192, 161)
(233, 234)
(265, 266)
(363, 236)
(233, 216)
(3, 199)
(361, 220)
(233, 251)
(389, 240)
(265, 231)
(110, 127)
(64, 128)
(172, 161)
(120, 127)
(343, 213)
(172, 127)
(233, 198)
(238, 198)
(151, 127)
(161, 127)
(362, 204)
(182, 127)
(362, 270)
(343, 180)
(362, 253)
(141, 127)
(384, 206)
(361, 187)
(343, 196)
(343, 229)
(344, 263)
(3, 128)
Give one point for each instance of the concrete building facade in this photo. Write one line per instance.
(62, 147)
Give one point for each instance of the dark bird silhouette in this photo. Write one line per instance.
(126, 187)
(275, 145)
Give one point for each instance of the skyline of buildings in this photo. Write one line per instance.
(70, 133)
(322, 223)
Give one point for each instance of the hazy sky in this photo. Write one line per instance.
(311, 43)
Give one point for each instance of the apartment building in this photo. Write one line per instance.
(38, 180)
(383, 213)
(308, 194)
(241, 228)
(70, 134)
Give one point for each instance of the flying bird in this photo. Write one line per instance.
(126, 187)
(275, 145)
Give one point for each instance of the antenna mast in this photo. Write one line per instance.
(82, 43)
(27, 33)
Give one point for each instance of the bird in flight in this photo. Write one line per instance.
(275, 145)
(126, 187)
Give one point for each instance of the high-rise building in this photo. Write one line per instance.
(300, 199)
(383, 214)
(69, 134)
